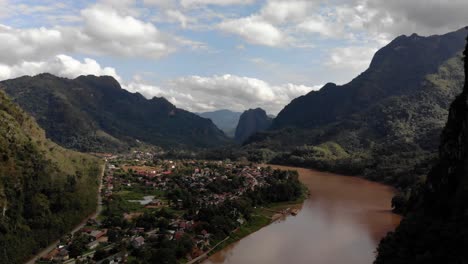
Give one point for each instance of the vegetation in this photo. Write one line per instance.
(44, 189)
(383, 125)
(95, 114)
(199, 204)
(435, 228)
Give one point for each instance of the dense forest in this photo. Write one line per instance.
(383, 125)
(435, 228)
(44, 189)
(95, 114)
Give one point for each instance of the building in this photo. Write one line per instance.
(138, 242)
(92, 245)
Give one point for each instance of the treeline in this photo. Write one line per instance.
(402, 166)
(220, 220)
(392, 162)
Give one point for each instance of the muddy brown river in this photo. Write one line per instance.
(342, 221)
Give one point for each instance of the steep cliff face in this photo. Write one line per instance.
(435, 229)
(251, 122)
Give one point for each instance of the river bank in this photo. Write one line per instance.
(342, 221)
(262, 217)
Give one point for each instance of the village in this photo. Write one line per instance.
(186, 207)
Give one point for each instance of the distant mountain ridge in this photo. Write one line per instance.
(385, 123)
(224, 119)
(251, 122)
(395, 70)
(92, 113)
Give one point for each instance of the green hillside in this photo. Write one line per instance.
(435, 228)
(387, 121)
(92, 113)
(44, 189)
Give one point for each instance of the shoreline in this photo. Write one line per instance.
(263, 217)
(299, 203)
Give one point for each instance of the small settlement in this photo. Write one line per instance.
(174, 210)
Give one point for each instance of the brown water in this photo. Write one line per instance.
(342, 221)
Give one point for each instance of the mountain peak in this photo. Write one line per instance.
(396, 69)
(251, 122)
(104, 79)
(94, 113)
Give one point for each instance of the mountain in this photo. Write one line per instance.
(225, 120)
(397, 69)
(92, 113)
(385, 123)
(45, 190)
(435, 228)
(251, 122)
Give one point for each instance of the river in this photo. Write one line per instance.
(342, 221)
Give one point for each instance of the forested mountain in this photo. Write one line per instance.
(92, 113)
(225, 120)
(251, 122)
(384, 124)
(44, 189)
(398, 69)
(435, 229)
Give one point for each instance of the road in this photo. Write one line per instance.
(98, 211)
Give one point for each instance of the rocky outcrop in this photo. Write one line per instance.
(251, 122)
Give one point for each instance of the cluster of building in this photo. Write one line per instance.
(139, 169)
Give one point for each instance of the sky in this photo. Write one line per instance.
(204, 55)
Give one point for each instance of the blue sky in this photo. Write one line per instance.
(205, 55)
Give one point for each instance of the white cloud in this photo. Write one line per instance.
(108, 31)
(177, 16)
(4, 8)
(286, 11)
(27, 44)
(321, 26)
(194, 93)
(353, 58)
(255, 30)
(60, 65)
(197, 93)
(269, 25)
(189, 3)
(421, 16)
(103, 31)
